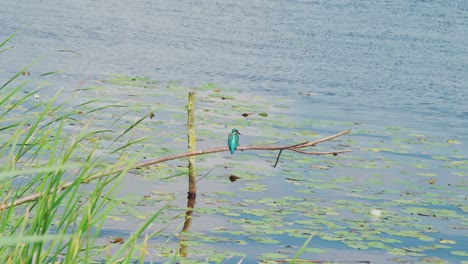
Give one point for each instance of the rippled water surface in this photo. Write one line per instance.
(379, 64)
(402, 61)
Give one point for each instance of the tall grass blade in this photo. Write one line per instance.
(7, 40)
(303, 247)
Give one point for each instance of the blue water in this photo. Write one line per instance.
(379, 62)
(401, 63)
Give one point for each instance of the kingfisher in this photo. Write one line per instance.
(233, 140)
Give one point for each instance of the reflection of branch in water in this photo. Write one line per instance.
(206, 174)
(187, 224)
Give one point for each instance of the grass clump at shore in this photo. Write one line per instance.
(43, 144)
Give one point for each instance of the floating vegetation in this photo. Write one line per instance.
(400, 193)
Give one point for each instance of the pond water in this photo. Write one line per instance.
(393, 71)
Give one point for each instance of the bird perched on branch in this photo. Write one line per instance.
(233, 140)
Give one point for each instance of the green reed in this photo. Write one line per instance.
(38, 153)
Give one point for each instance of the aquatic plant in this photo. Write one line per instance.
(44, 143)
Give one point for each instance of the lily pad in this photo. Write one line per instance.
(460, 253)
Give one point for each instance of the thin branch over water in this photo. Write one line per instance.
(295, 148)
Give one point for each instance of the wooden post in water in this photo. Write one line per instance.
(192, 191)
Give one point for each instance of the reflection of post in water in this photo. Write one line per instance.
(187, 224)
(192, 190)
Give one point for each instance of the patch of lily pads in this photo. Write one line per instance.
(400, 192)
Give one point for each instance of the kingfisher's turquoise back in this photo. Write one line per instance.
(233, 140)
